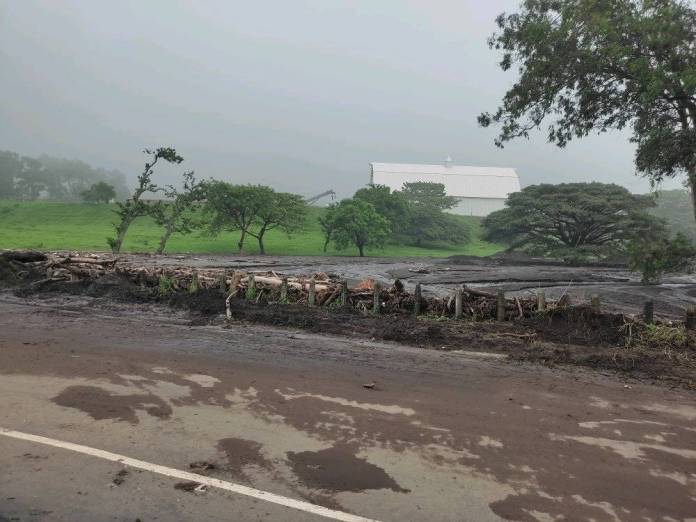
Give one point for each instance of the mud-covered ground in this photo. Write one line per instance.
(620, 290)
(575, 335)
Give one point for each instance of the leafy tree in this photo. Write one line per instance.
(356, 222)
(429, 195)
(593, 217)
(134, 207)
(595, 65)
(252, 210)
(427, 225)
(654, 256)
(280, 210)
(176, 214)
(426, 221)
(327, 222)
(391, 205)
(100, 192)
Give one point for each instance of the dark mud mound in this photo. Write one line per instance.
(205, 302)
(578, 325)
(16, 268)
(111, 286)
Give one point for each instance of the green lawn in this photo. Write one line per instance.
(74, 226)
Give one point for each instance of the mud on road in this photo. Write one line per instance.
(442, 436)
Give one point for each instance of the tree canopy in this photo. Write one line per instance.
(356, 222)
(100, 192)
(252, 210)
(596, 218)
(27, 178)
(594, 65)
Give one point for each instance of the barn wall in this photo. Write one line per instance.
(478, 206)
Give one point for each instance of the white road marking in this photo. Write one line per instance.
(185, 475)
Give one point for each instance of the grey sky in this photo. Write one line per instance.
(299, 94)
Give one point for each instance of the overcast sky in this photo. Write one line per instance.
(300, 94)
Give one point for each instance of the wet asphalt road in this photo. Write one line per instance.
(437, 436)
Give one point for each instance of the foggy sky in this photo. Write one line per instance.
(300, 94)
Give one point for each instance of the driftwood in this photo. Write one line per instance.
(73, 266)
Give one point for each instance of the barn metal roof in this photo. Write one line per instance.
(460, 181)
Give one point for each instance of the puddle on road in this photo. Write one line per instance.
(338, 469)
(100, 404)
(241, 453)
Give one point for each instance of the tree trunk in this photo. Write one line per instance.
(164, 239)
(262, 251)
(360, 249)
(240, 243)
(692, 189)
(121, 234)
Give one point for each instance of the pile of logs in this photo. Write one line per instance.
(268, 286)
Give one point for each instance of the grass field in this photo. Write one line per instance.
(73, 226)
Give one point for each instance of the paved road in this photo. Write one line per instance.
(440, 437)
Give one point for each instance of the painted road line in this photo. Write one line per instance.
(185, 475)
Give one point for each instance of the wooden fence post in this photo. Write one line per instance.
(500, 306)
(284, 290)
(223, 282)
(649, 312)
(376, 301)
(690, 322)
(250, 293)
(344, 293)
(595, 303)
(541, 301)
(417, 298)
(312, 296)
(458, 298)
(194, 283)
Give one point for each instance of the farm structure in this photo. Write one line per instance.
(479, 190)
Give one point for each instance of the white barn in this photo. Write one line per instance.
(479, 190)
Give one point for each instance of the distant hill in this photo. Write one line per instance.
(676, 208)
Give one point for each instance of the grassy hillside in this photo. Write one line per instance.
(73, 226)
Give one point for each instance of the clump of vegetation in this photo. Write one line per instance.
(652, 257)
(100, 192)
(376, 215)
(573, 221)
(165, 286)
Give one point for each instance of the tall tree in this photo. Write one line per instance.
(176, 213)
(278, 210)
(134, 207)
(327, 222)
(595, 218)
(356, 222)
(391, 205)
(595, 65)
